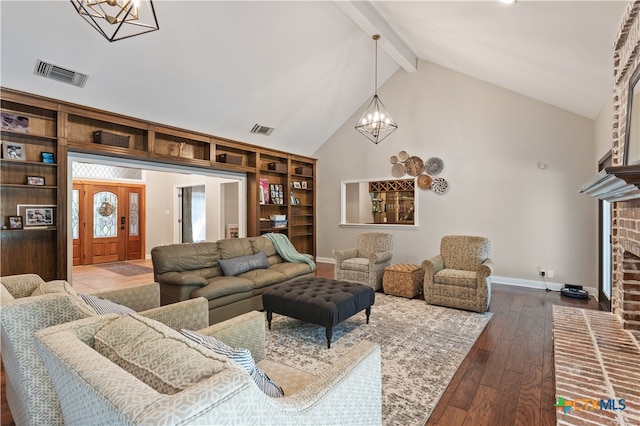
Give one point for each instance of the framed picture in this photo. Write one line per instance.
(47, 157)
(297, 185)
(37, 215)
(304, 184)
(13, 151)
(35, 180)
(15, 222)
(233, 231)
(14, 122)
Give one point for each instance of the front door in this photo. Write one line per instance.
(110, 222)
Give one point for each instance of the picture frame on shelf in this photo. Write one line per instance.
(13, 151)
(15, 222)
(233, 231)
(48, 157)
(14, 122)
(35, 180)
(303, 184)
(37, 215)
(297, 185)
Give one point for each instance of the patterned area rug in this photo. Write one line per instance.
(126, 269)
(422, 347)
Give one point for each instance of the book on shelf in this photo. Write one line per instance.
(264, 191)
(277, 193)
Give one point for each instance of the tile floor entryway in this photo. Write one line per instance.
(90, 279)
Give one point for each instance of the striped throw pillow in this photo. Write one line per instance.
(104, 306)
(242, 357)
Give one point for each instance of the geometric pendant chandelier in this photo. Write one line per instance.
(376, 123)
(118, 19)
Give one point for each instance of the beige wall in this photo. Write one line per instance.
(491, 141)
(161, 218)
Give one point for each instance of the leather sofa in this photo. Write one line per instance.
(191, 270)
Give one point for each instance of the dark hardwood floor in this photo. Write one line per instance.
(507, 378)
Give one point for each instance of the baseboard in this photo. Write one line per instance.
(517, 282)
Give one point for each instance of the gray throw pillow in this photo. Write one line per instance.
(242, 357)
(238, 265)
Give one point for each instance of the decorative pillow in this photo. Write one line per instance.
(103, 306)
(154, 353)
(61, 286)
(238, 265)
(242, 357)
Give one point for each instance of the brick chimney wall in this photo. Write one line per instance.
(625, 291)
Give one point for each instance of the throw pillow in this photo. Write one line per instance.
(103, 306)
(238, 265)
(242, 357)
(61, 286)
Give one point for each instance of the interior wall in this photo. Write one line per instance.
(603, 129)
(492, 142)
(161, 206)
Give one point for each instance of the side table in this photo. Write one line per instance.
(403, 279)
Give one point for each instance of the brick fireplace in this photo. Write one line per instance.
(620, 184)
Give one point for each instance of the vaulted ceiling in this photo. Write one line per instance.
(305, 67)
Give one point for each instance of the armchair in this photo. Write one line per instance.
(365, 263)
(30, 393)
(460, 276)
(95, 390)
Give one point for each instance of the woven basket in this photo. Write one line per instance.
(403, 279)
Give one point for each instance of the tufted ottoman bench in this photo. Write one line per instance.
(320, 301)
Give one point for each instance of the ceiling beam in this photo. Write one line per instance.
(369, 19)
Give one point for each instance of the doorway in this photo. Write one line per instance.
(604, 244)
(192, 214)
(109, 223)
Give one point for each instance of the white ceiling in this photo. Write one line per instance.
(305, 67)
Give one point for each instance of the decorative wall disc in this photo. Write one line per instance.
(439, 185)
(397, 171)
(402, 156)
(424, 181)
(413, 166)
(433, 166)
(393, 159)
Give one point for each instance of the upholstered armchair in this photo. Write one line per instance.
(460, 276)
(96, 374)
(365, 263)
(30, 393)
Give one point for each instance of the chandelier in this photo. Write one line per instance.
(118, 19)
(376, 123)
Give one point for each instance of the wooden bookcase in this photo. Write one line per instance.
(35, 247)
(60, 127)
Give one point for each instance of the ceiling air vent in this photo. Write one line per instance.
(262, 130)
(54, 72)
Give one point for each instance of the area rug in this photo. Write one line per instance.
(126, 269)
(422, 346)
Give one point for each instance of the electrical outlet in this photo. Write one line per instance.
(549, 273)
(543, 272)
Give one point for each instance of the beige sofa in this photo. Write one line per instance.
(186, 271)
(185, 383)
(30, 393)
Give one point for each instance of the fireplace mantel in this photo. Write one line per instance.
(616, 183)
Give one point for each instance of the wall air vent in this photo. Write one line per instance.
(262, 130)
(54, 72)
